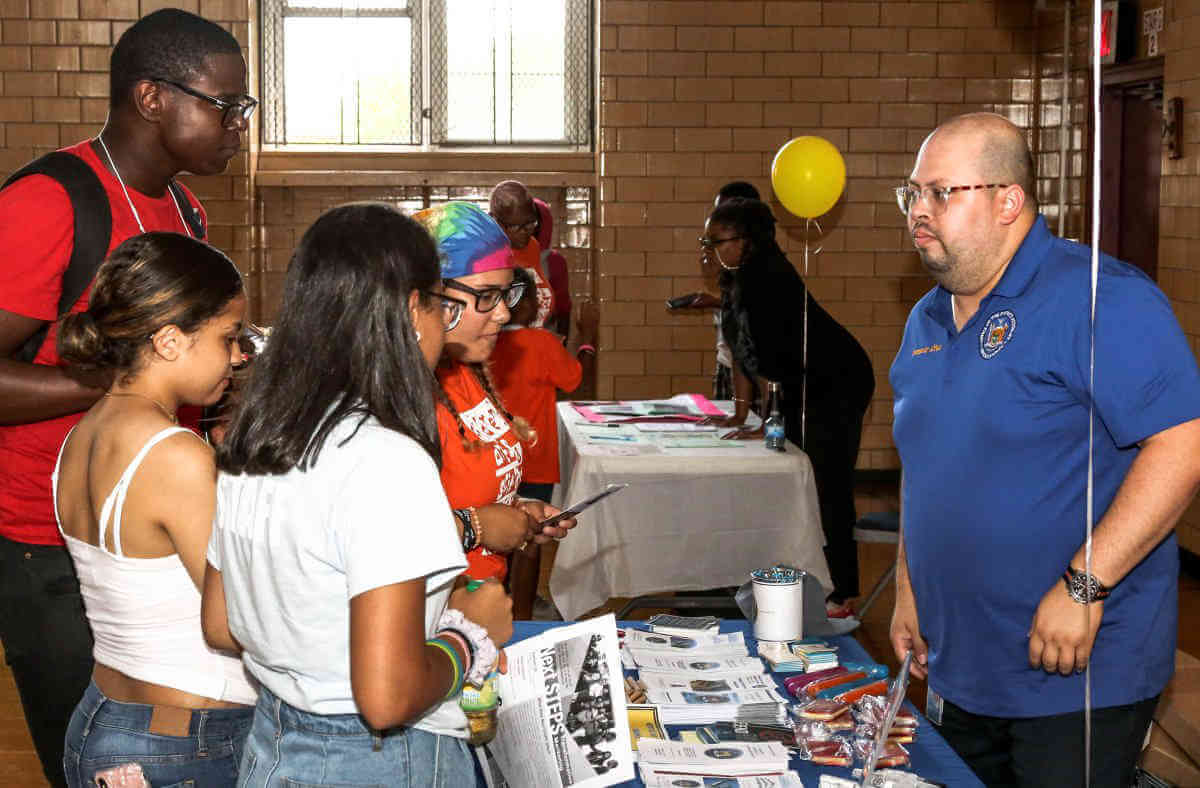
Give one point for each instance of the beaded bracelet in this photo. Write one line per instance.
(477, 524)
(456, 683)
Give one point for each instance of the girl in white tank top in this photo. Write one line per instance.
(134, 495)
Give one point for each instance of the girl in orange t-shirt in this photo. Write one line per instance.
(482, 451)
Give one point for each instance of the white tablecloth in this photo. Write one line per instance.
(691, 518)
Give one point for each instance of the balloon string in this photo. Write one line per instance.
(808, 223)
(1095, 266)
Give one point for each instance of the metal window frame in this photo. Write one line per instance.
(273, 13)
(429, 74)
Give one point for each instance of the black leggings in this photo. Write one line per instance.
(832, 435)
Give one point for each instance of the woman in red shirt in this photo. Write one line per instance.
(482, 451)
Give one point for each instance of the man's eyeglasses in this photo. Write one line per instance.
(489, 298)
(529, 227)
(937, 197)
(708, 244)
(233, 112)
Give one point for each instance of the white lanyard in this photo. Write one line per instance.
(121, 181)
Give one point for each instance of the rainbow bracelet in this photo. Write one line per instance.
(455, 660)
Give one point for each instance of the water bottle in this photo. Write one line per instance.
(773, 426)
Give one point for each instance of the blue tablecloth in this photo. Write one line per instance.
(931, 756)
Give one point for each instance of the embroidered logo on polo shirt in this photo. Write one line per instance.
(996, 333)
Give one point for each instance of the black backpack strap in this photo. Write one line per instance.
(191, 214)
(93, 230)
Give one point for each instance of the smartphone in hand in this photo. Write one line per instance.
(679, 302)
(578, 507)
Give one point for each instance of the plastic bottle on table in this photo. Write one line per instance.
(773, 426)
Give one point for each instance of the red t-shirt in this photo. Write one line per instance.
(37, 233)
(488, 474)
(528, 364)
(530, 258)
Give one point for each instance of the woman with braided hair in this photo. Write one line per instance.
(482, 452)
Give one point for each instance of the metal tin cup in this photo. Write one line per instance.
(779, 599)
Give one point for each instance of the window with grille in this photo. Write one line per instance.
(427, 72)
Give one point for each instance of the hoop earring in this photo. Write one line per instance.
(418, 336)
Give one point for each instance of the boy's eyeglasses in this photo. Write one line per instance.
(232, 112)
(489, 298)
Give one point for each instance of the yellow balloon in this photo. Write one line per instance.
(808, 175)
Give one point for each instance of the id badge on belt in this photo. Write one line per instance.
(933, 706)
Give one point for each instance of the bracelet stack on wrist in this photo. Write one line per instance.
(447, 648)
(472, 535)
(483, 651)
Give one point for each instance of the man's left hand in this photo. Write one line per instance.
(539, 511)
(1063, 632)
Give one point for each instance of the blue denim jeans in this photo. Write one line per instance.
(104, 733)
(290, 748)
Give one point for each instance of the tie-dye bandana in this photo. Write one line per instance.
(469, 241)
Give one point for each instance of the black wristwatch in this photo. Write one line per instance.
(1084, 588)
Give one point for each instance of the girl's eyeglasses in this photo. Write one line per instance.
(489, 298)
(452, 309)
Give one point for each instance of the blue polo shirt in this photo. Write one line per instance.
(992, 428)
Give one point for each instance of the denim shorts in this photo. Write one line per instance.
(104, 733)
(290, 748)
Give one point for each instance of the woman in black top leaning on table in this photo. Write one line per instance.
(762, 317)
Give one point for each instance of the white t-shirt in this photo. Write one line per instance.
(293, 549)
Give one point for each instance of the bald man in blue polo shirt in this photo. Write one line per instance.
(993, 394)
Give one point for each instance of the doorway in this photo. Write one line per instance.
(1131, 105)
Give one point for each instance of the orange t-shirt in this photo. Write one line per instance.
(530, 258)
(488, 474)
(528, 364)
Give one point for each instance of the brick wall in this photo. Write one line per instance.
(1179, 212)
(54, 91)
(694, 94)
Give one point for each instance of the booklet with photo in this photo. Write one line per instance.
(698, 666)
(732, 644)
(733, 681)
(731, 759)
(562, 721)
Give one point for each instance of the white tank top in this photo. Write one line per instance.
(145, 612)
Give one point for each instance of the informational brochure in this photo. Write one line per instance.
(697, 666)
(733, 644)
(689, 698)
(562, 720)
(658, 779)
(645, 724)
(736, 681)
(729, 759)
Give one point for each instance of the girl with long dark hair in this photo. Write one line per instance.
(334, 551)
(134, 496)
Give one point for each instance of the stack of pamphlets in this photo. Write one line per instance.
(672, 780)
(724, 759)
(700, 678)
(683, 625)
(799, 656)
(680, 707)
